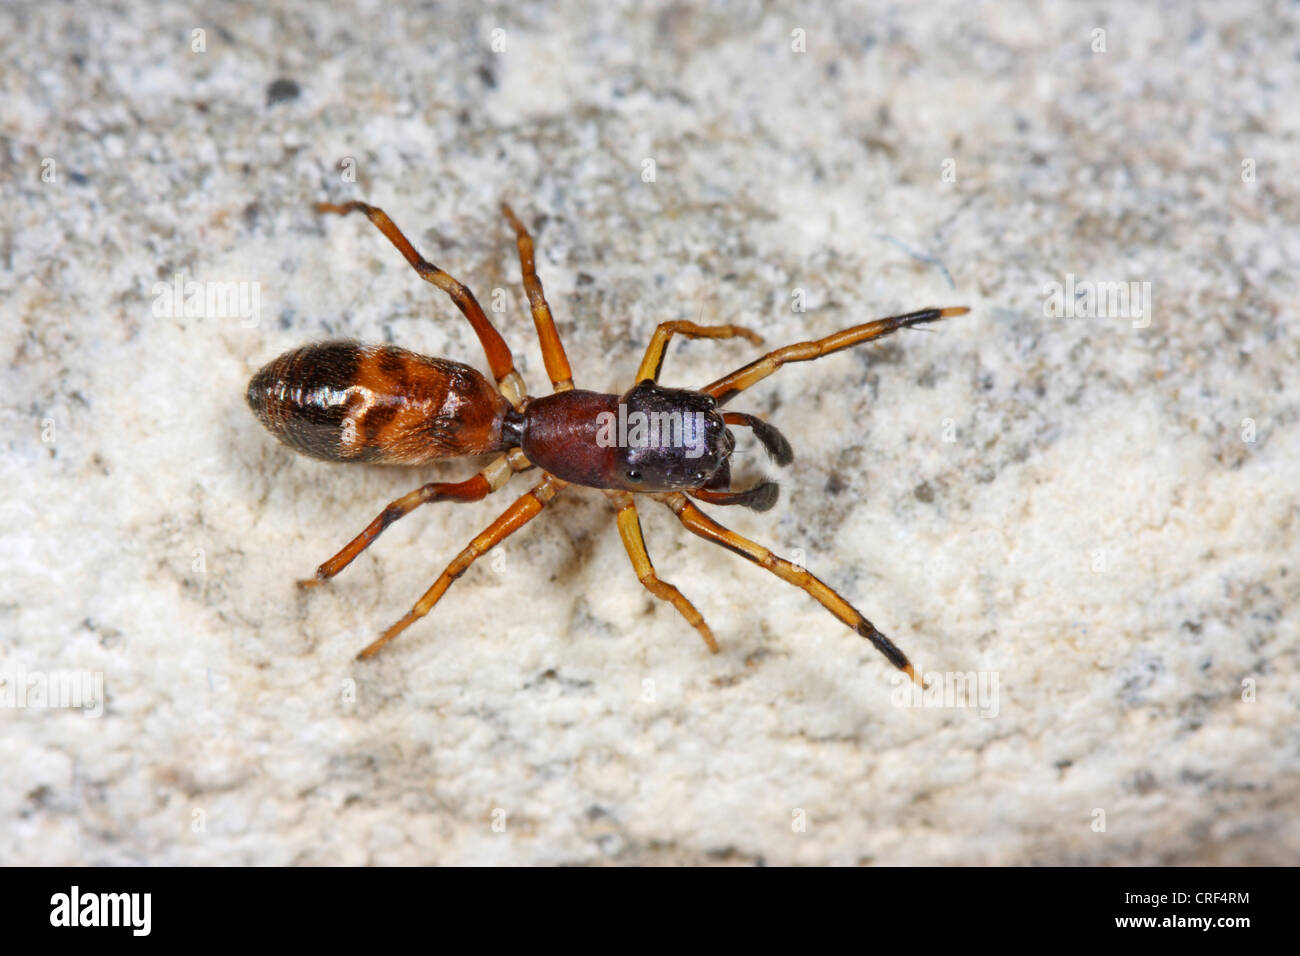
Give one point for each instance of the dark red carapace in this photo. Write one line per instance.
(343, 401)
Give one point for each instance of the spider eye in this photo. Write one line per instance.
(633, 475)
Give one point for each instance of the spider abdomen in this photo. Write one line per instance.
(343, 401)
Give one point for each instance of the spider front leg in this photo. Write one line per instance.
(629, 528)
(653, 362)
(729, 386)
(698, 523)
(525, 509)
(490, 479)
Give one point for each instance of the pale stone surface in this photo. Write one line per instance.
(1102, 533)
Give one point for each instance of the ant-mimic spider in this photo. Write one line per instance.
(342, 401)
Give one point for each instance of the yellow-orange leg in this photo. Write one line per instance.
(525, 509)
(494, 346)
(725, 388)
(629, 528)
(490, 479)
(557, 363)
(653, 362)
(697, 522)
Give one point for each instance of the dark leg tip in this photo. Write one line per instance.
(886, 647)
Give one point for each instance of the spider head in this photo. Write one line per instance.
(675, 439)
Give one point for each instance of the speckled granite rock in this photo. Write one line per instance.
(1094, 513)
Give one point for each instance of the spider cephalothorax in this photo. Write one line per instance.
(649, 439)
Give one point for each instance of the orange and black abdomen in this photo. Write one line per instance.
(342, 401)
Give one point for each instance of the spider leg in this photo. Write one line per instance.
(697, 522)
(490, 479)
(525, 508)
(727, 387)
(653, 362)
(629, 527)
(494, 346)
(557, 362)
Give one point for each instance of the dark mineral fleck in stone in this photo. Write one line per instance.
(281, 90)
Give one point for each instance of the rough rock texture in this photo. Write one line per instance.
(1093, 513)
